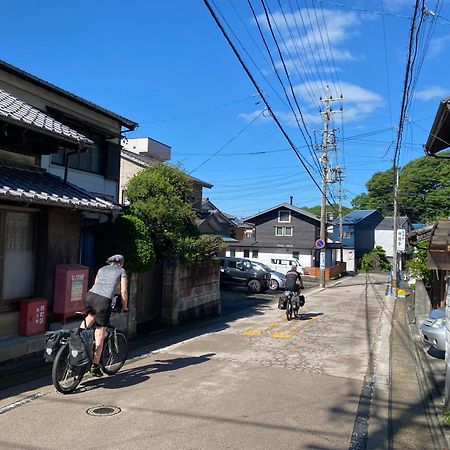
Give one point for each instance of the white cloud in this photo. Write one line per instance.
(313, 37)
(438, 45)
(432, 92)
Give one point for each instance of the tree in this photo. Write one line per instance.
(161, 196)
(329, 210)
(129, 236)
(423, 195)
(375, 261)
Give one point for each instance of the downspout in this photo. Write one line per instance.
(66, 163)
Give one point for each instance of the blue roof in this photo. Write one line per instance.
(418, 226)
(357, 215)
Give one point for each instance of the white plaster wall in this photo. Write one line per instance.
(384, 238)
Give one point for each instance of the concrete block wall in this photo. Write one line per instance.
(190, 292)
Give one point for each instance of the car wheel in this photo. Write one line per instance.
(274, 285)
(254, 286)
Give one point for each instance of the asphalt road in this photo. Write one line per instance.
(249, 379)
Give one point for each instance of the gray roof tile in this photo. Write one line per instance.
(35, 185)
(24, 114)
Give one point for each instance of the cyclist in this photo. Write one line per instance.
(293, 281)
(98, 303)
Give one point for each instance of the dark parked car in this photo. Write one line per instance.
(240, 272)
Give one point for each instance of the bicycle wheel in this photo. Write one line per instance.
(64, 376)
(289, 310)
(115, 352)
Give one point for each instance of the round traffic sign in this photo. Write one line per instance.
(320, 243)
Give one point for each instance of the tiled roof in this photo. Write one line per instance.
(388, 223)
(356, 216)
(36, 186)
(22, 114)
(62, 92)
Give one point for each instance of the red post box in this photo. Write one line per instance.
(71, 283)
(33, 316)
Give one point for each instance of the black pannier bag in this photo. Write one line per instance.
(282, 302)
(53, 342)
(302, 300)
(81, 344)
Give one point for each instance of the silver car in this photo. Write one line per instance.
(277, 279)
(433, 330)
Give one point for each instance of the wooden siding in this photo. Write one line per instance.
(305, 230)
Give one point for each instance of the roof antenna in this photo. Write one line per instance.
(291, 199)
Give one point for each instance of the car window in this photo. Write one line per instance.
(247, 265)
(232, 264)
(222, 263)
(261, 266)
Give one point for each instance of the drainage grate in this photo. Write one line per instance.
(103, 411)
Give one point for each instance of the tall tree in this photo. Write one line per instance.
(424, 190)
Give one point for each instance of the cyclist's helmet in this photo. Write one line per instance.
(115, 259)
(294, 265)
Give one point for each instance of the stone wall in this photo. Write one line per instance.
(190, 292)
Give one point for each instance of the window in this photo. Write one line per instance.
(246, 253)
(232, 253)
(284, 231)
(19, 252)
(254, 253)
(284, 216)
(346, 235)
(93, 160)
(296, 255)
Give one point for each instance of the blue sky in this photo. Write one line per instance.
(167, 66)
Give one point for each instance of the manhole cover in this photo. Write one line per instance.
(103, 411)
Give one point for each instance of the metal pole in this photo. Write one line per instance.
(394, 238)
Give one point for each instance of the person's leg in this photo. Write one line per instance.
(99, 335)
(88, 321)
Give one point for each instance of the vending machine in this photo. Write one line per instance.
(71, 285)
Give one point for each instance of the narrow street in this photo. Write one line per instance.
(249, 379)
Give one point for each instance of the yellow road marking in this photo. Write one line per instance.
(284, 331)
(281, 335)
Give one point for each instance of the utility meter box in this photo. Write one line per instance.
(33, 316)
(71, 283)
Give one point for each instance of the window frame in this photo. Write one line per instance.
(284, 211)
(276, 231)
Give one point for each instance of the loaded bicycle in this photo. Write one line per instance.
(291, 302)
(71, 353)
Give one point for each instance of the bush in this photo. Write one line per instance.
(417, 265)
(161, 195)
(129, 236)
(375, 261)
(193, 249)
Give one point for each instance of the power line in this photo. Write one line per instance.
(247, 71)
(227, 143)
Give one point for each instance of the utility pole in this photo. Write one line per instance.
(394, 284)
(324, 163)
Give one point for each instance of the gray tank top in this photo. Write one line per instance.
(107, 280)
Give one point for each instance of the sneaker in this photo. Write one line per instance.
(96, 371)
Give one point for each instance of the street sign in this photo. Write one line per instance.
(401, 240)
(322, 259)
(320, 243)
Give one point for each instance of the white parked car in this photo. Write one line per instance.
(433, 330)
(283, 265)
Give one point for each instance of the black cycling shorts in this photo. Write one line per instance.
(100, 307)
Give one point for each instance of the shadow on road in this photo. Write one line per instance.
(137, 375)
